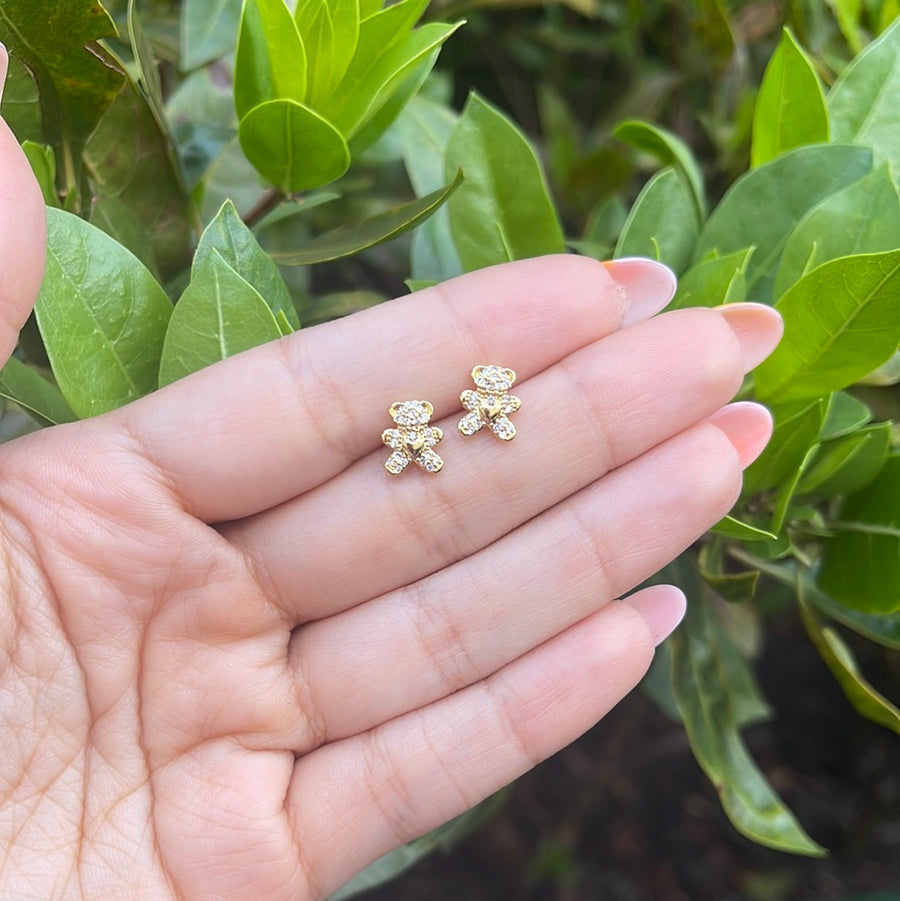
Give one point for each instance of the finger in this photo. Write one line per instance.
(606, 404)
(421, 769)
(460, 625)
(266, 425)
(22, 234)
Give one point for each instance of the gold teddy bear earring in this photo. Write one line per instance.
(414, 440)
(490, 403)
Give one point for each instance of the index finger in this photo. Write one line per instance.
(274, 422)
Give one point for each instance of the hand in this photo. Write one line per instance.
(240, 660)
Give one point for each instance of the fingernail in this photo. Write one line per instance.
(747, 426)
(4, 67)
(663, 606)
(648, 286)
(758, 329)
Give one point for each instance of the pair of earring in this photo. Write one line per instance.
(489, 405)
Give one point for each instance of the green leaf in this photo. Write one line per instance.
(863, 102)
(350, 239)
(208, 30)
(796, 430)
(379, 69)
(714, 281)
(43, 163)
(864, 698)
(145, 62)
(729, 527)
(102, 317)
(31, 391)
(845, 414)
(842, 320)
(790, 109)
(377, 124)
(860, 565)
(425, 128)
(329, 30)
(292, 146)
(663, 223)
(717, 696)
(271, 61)
(504, 210)
(139, 195)
(316, 310)
(849, 463)
(218, 315)
(669, 149)
(227, 236)
(762, 207)
(76, 84)
(862, 218)
(788, 488)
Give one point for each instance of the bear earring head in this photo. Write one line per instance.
(414, 439)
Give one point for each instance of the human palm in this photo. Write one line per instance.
(240, 660)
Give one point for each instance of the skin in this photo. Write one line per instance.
(241, 661)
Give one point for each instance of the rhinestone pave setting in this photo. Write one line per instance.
(414, 440)
(490, 404)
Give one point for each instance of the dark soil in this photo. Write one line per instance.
(625, 814)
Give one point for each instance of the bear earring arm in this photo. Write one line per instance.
(490, 404)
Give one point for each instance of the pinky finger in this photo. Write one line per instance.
(354, 800)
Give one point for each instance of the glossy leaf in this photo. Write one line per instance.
(790, 108)
(763, 206)
(796, 430)
(714, 281)
(864, 217)
(315, 310)
(102, 317)
(218, 315)
(370, 82)
(350, 239)
(425, 128)
(663, 223)
(669, 149)
(863, 102)
(139, 195)
(292, 146)
(845, 414)
(208, 30)
(228, 237)
(788, 488)
(842, 320)
(865, 699)
(329, 30)
(504, 210)
(847, 464)
(717, 696)
(860, 566)
(76, 85)
(271, 61)
(145, 62)
(24, 386)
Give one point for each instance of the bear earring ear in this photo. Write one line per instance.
(414, 439)
(490, 404)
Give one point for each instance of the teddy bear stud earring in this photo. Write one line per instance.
(414, 439)
(490, 403)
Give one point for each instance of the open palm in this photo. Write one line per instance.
(240, 660)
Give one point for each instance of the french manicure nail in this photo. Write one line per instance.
(4, 67)
(747, 426)
(662, 606)
(758, 329)
(648, 286)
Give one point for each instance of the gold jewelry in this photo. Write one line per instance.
(414, 440)
(491, 403)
